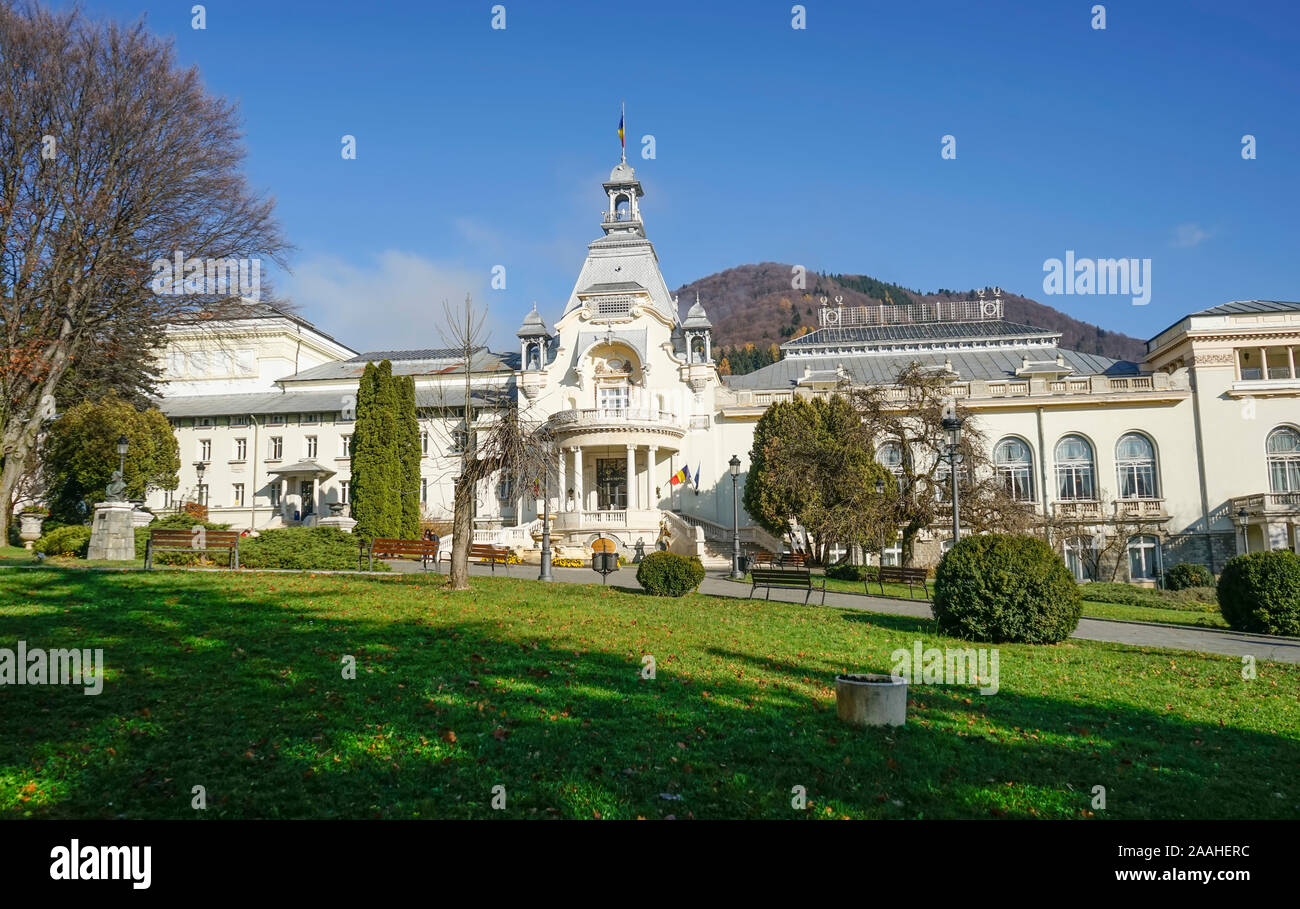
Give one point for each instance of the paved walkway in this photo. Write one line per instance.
(1137, 634)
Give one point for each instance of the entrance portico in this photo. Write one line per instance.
(300, 486)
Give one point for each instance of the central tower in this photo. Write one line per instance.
(624, 213)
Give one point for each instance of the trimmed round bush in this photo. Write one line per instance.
(310, 548)
(1188, 574)
(1260, 592)
(998, 588)
(667, 574)
(843, 571)
(70, 540)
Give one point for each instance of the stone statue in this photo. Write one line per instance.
(116, 489)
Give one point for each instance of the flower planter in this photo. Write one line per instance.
(29, 530)
(871, 699)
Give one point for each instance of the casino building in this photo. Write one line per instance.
(1198, 444)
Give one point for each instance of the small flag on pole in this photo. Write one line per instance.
(697, 477)
(682, 476)
(622, 140)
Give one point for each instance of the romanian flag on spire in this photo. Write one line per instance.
(621, 140)
(682, 476)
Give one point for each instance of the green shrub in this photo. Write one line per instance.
(667, 574)
(311, 548)
(1188, 574)
(1260, 592)
(1190, 599)
(843, 571)
(69, 540)
(998, 588)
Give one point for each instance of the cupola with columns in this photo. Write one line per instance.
(624, 213)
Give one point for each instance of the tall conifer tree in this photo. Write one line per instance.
(409, 450)
(369, 483)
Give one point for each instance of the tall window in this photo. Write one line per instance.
(1074, 469)
(241, 449)
(347, 446)
(1015, 466)
(613, 399)
(237, 498)
(203, 493)
(311, 446)
(1283, 448)
(424, 442)
(890, 457)
(277, 448)
(1081, 558)
(1143, 558)
(274, 489)
(424, 489)
(205, 449)
(345, 487)
(1135, 462)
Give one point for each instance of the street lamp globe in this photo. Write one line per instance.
(734, 464)
(122, 444)
(880, 486)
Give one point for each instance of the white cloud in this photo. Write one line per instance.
(1188, 235)
(392, 303)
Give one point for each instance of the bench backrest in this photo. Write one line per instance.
(794, 558)
(179, 538)
(898, 573)
(779, 575)
(486, 550)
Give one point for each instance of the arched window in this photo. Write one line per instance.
(890, 457)
(1283, 448)
(1074, 469)
(1143, 558)
(1015, 466)
(1135, 463)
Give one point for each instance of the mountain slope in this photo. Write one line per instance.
(754, 304)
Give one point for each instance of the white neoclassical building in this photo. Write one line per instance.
(1200, 441)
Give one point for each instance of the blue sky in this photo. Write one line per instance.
(479, 147)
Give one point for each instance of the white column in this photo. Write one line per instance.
(631, 477)
(284, 496)
(1263, 362)
(564, 499)
(708, 347)
(579, 499)
(650, 500)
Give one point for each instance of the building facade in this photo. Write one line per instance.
(1191, 455)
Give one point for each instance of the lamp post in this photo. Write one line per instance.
(122, 444)
(952, 428)
(198, 472)
(1242, 515)
(880, 491)
(545, 573)
(736, 573)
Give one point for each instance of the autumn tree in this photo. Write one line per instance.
(80, 455)
(906, 419)
(112, 158)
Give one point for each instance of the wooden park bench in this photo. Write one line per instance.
(200, 541)
(785, 579)
(894, 574)
(763, 559)
(484, 554)
(424, 551)
(793, 560)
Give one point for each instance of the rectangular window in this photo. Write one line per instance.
(424, 442)
(276, 451)
(203, 493)
(275, 493)
(241, 420)
(205, 449)
(1074, 482)
(345, 488)
(275, 419)
(310, 418)
(613, 400)
(347, 446)
(1143, 558)
(311, 446)
(611, 483)
(238, 497)
(241, 449)
(424, 490)
(169, 498)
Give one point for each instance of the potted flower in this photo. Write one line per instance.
(31, 518)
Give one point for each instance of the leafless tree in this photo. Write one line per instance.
(909, 414)
(1100, 542)
(112, 158)
(493, 438)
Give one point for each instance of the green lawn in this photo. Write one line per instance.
(1186, 615)
(232, 682)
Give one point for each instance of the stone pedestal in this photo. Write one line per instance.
(342, 522)
(112, 532)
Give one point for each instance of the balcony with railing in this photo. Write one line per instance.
(621, 418)
(1140, 509)
(1268, 503)
(1078, 510)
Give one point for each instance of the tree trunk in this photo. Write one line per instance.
(462, 533)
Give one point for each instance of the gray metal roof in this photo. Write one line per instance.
(427, 362)
(919, 331)
(533, 326)
(312, 467)
(1250, 306)
(613, 287)
(873, 369)
(313, 401)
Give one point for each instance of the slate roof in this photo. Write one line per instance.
(427, 362)
(883, 370)
(313, 401)
(918, 331)
(1238, 307)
